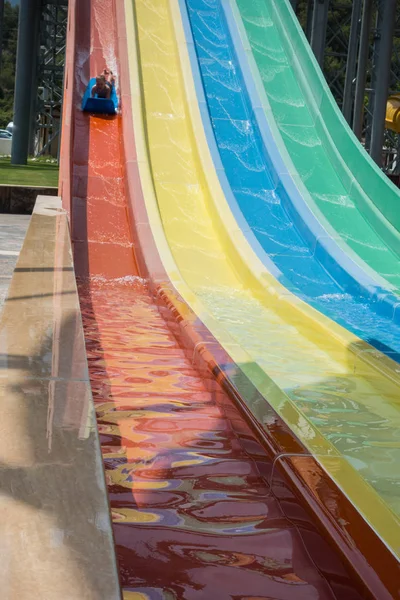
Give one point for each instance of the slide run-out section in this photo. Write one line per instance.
(337, 394)
(345, 189)
(188, 486)
(259, 188)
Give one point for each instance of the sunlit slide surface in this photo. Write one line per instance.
(192, 510)
(188, 479)
(343, 182)
(338, 405)
(259, 187)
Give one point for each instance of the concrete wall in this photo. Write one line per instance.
(21, 200)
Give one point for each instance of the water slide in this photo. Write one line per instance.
(263, 193)
(249, 156)
(343, 186)
(232, 416)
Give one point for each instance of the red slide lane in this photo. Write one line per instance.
(192, 511)
(100, 230)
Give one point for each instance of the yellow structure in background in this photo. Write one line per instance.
(392, 120)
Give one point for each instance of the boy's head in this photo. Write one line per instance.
(100, 81)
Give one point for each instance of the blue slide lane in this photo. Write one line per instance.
(261, 199)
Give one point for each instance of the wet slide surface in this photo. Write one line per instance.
(343, 408)
(305, 115)
(258, 190)
(243, 157)
(193, 517)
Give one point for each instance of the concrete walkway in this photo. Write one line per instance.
(12, 234)
(56, 540)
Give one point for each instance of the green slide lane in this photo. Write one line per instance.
(338, 179)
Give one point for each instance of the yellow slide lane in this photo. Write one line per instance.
(291, 353)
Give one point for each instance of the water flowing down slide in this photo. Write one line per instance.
(316, 375)
(207, 374)
(344, 186)
(259, 191)
(262, 192)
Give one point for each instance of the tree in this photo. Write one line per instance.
(9, 57)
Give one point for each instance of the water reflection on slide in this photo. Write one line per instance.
(193, 514)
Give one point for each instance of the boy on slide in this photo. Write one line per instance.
(110, 79)
(102, 88)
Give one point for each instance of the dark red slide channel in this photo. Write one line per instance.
(193, 514)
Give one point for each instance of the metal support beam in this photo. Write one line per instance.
(351, 61)
(383, 56)
(50, 73)
(362, 68)
(318, 31)
(34, 88)
(310, 6)
(1, 28)
(23, 81)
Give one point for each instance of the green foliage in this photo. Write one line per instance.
(301, 12)
(9, 55)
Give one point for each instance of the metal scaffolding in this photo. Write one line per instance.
(50, 75)
(391, 149)
(318, 28)
(353, 42)
(382, 58)
(361, 65)
(42, 33)
(351, 63)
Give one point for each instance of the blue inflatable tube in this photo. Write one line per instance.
(102, 106)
